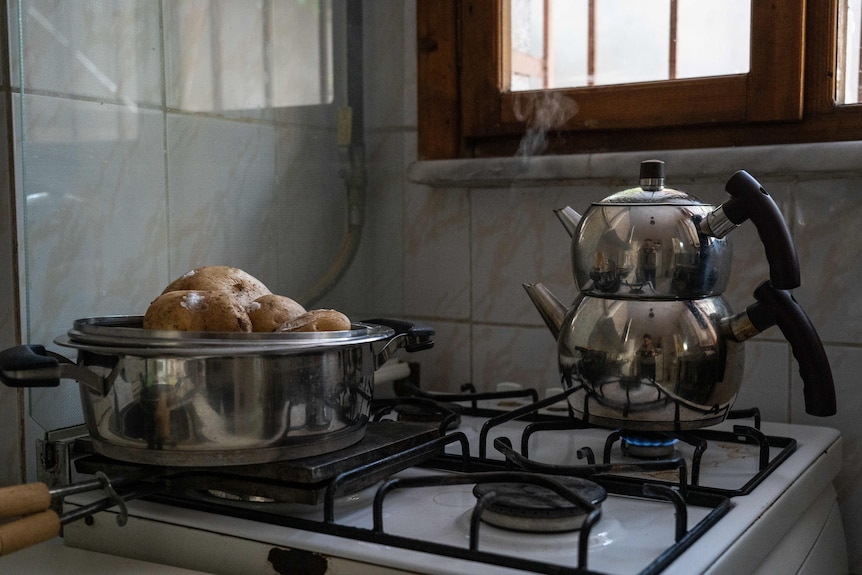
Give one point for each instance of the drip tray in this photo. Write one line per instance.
(382, 452)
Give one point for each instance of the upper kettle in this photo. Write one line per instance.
(653, 242)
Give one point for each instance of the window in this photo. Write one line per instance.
(467, 107)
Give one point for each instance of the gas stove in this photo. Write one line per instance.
(501, 483)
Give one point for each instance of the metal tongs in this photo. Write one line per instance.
(39, 522)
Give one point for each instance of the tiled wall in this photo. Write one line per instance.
(449, 243)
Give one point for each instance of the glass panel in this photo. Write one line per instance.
(151, 137)
(569, 58)
(631, 41)
(212, 68)
(528, 31)
(605, 42)
(849, 48)
(713, 39)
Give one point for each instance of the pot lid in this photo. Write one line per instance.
(124, 335)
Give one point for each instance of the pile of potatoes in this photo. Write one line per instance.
(222, 298)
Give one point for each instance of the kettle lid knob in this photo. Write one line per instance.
(652, 175)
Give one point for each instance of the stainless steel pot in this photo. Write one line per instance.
(214, 399)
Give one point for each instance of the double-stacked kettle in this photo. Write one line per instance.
(650, 343)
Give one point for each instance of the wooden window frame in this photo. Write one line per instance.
(787, 97)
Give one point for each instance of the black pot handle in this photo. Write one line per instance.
(29, 366)
(34, 366)
(419, 336)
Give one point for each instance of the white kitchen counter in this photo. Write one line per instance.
(52, 558)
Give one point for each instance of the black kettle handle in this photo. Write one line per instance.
(749, 200)
(29, 366)
(778, 307)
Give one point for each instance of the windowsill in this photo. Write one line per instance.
(796, 161)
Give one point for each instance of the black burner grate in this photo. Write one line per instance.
(390, 447)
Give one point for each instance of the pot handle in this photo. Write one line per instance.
(34, 366)
(418, 336)
(408, 335)
(29, 366)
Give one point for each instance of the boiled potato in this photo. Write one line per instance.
(244, 287)
(269, 312)
(318, 320)
(224, 298)
(196, 310)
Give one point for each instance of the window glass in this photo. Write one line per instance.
(631, 41)
(850, 45)
(528, 44)
(713, 38)
(577, 43)
(570, 58)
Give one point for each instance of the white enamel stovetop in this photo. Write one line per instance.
(760, 528)
(774, 527)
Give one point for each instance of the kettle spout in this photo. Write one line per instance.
(550, 308)
(569, 218)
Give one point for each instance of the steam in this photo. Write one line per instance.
(541, 112)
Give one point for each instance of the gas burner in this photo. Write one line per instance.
(430, 412)
(647, 445)
(536, 509)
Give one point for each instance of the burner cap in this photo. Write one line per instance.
(647, 445)
(537, 509)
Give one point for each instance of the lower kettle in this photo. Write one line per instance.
(650, 365)
(667, 365)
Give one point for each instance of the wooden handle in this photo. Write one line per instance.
(24, 499)
(28, 531)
